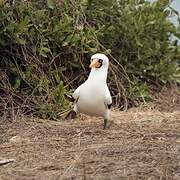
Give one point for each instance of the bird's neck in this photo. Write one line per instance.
(99, 75)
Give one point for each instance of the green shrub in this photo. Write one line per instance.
(45, 48)
(139, 34)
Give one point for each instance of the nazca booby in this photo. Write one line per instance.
(93, 97)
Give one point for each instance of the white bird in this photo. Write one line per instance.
(93, 97)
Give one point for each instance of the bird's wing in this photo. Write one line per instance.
(108, 98)
(76, 93)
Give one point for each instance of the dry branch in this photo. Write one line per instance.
(5, 161)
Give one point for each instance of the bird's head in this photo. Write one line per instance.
(99, 61)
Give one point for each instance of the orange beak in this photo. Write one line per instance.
(94, 63)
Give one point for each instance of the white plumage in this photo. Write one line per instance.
(93, 97)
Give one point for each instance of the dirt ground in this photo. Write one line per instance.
(139, 144)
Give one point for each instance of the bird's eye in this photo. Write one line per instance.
(100, 60)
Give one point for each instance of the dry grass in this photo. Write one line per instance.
(137, 145)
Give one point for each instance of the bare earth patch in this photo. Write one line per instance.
(137, 145)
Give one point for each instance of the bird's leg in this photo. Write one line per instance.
(105, 123)
(71, 115)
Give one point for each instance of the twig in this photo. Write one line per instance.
(5, 161)
(84, 170)
(71, 167)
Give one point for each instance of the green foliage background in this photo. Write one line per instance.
(45, 48)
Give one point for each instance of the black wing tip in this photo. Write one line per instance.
(109, 106)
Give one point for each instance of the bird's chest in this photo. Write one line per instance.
(91, 100)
